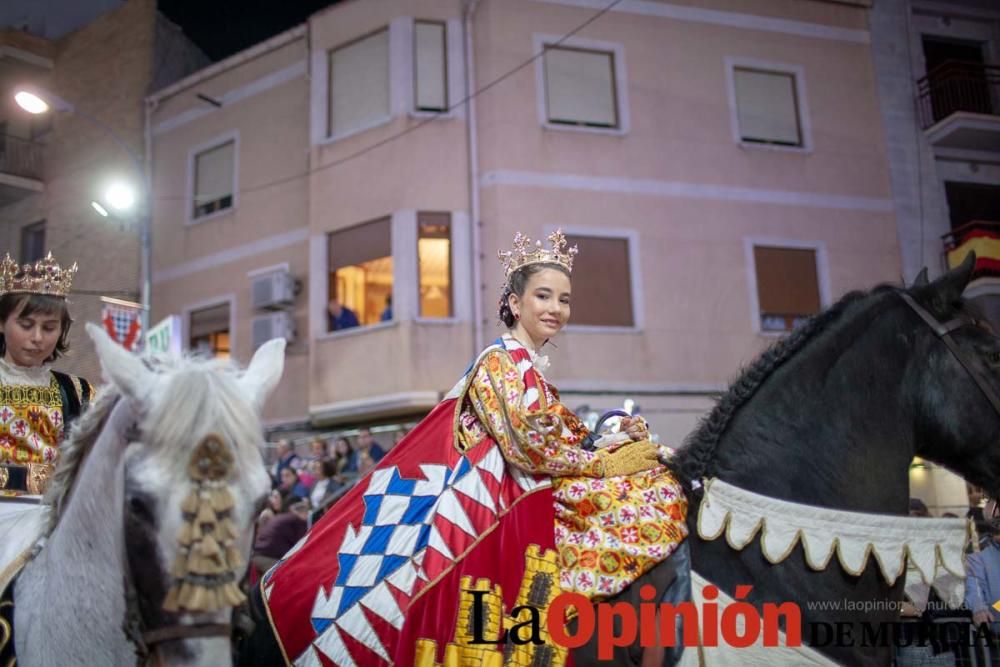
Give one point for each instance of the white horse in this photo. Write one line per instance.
(151, 514)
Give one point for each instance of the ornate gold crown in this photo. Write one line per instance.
(43, 277)
(524, 253)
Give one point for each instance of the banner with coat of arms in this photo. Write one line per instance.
(123, 322)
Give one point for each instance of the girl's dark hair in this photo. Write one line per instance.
(329, 467)
(26, 305)
(516, 284)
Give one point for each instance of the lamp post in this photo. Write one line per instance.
(37, 101)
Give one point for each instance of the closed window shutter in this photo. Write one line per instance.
(767, 107)
(430, 66)
(602, 282)
(360, 244)
(214, 173)
(787, 283)
(359, 83)
(580, 87)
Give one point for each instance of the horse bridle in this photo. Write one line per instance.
(145, 640)
(943, 332)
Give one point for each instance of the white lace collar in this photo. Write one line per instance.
(11, 373)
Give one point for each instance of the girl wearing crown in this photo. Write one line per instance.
(496, 492)
(36, 402)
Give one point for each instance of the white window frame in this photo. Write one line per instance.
(212, 302)
(798, 76)
(459, 271)
(822, 274)
(539, 41)
(635, 276)
(400, 32)
(232, 135)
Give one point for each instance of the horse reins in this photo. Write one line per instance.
(943, 332)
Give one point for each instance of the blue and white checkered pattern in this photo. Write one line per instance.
(123, 319)
(395, 527)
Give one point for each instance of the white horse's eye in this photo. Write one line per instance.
(141, 508)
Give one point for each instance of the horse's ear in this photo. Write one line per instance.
(949, 287)
(921, 279)
(121, 367)
(264, 371)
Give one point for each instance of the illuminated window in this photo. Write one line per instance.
(360, 265)
(209, 331)
(787, 286)
(434, 263)
(602, 282)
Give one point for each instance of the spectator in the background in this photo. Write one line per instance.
(397, 436)
(291, 485)
(365, 462)
(275, 506)
(287, 458)
(317, 449)
(326, 484)
(367, 444)
(387, 311)
(344, 457)
(918, 508)
(977, 500)
(340, 317)
(982, 579)
(280, 534)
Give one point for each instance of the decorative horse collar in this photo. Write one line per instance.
(935, 547)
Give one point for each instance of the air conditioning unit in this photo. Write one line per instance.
(273, 290)
(273, 325)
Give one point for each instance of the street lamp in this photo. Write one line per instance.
(36, 100)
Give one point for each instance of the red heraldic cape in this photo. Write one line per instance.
(395, 572)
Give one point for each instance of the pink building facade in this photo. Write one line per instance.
(721, 165)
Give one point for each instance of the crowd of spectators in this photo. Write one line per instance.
(305, 486)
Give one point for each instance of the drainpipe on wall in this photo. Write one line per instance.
(473, 146)
(146, 232)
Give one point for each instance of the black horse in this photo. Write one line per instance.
(832, 416)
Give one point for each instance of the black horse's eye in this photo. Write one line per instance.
(140, 508)
(994, 357)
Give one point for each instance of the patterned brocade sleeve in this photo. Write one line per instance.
(544, 440)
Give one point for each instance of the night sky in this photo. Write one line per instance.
(223, 27)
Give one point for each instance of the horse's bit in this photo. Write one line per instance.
(943, 331)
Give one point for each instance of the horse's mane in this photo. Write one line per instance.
(74, 449)
(693, 459)
(201, 397)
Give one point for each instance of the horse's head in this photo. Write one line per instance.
(193, 482)
(958, 424)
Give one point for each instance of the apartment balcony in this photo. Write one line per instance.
(959, 106)
(20, 169)
(385, 371)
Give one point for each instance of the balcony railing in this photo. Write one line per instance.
(20, 157)
(956, 85)
(981, 236)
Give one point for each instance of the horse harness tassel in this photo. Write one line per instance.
(205, 572)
